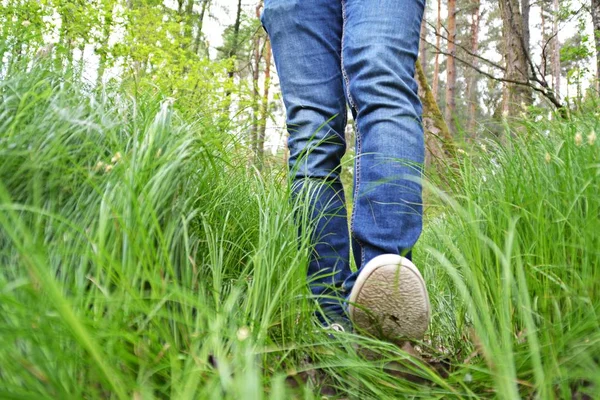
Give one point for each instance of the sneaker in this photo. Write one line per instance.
(389, 300)
(336, 327)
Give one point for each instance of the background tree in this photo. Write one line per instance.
(595, 11)
(451, 68)
(102, 48)
(232, 49)
(204, 8)
(517, 94)
(438, 37)
(162, 46)
(262, 123)
(472, 92)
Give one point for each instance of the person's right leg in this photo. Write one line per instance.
(306, 42)
(388, 297)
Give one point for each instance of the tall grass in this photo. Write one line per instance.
(521, 247)
(141, 257)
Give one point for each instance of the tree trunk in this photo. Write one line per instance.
(544, 66)
(438, 138)
(596, 22)
(199, 26)
(556, 52)
(188, 31)
(231, 69)
(451, 68)
(436, 69)
(423, 44)
(472, 74)
(525, 8)
(236, 34)
(262, 126)
(516, 59)
(255, 90)
(107, 22)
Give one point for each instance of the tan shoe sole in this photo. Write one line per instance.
(389, 299)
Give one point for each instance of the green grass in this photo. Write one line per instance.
(521, 248)
(141, 258)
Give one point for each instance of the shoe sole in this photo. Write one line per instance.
(389, 299)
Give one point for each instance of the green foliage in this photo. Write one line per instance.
(140, 258)
(240, 47)
(520, 247)
(576, 49)
(153, 47)
(112, 222)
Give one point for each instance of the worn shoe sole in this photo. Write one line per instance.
(389, 300)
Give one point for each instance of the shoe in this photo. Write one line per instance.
(336, 327)
(332, 329)
(389, 300)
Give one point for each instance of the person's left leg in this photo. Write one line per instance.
(306, 41)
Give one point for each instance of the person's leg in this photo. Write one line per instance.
(380, 47)
(387, 295)
(306, 41)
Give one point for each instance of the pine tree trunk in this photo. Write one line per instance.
(472, 74)
(231, 69)
(516, 95)
(262, 126)
(199, 26)
(544, 66)
(423, 44)
(236, 34)
(451, 67)
(596, 21)
(188, 31)
(525, 9)
(556, 52)
(107, 22)
(438, 138)
(436, 68)
(255, 90)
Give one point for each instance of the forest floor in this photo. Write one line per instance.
(141, 258)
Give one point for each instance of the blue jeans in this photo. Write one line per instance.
(330, 53)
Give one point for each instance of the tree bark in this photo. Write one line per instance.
(596, 22)
(472, 74)
(544, 66)
(188, 32)
(231, 53)
(236, 34)
(262, 126)
(107, 22)
(556, 52)
(516, 58)
(423, 44)
(436, 68)
(200, 24)
(255, 89)
(525, 9)
(451, 68)
(438, 138)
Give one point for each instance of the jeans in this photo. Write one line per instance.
(361, 53)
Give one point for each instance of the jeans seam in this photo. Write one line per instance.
(358, 150)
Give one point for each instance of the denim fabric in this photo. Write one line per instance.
(330, 53)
